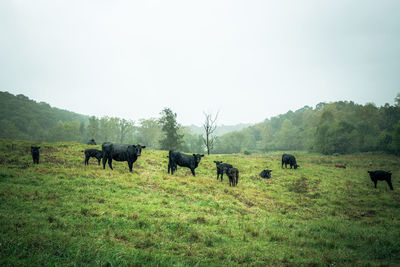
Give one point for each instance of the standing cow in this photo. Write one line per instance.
(221, 168)
(179, 159)
(380, 175)
(120, 152)
(35, 154)
(289, 159)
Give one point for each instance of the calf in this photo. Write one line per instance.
(120, 152)
(380, 175)
(289, 159)
(221, 168)
(91, 142)
(95, 153)
(233, 175)
(35, 154)
(266, 174)
(177, 158)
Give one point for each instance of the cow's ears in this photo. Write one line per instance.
(31, 147)
(143, 146)
(38, 147)
(202, 155)
(369, 171)
(270, 170)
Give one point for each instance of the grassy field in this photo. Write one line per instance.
(61, 212)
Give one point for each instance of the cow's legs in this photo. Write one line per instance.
(110, 162)
(104, 162)
(375, 183)
(130, 163)
(194, 174)
(390, 184)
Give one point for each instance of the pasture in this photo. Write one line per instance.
(62, 212)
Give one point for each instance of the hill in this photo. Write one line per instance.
(61, 212)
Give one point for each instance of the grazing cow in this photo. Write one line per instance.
(340, 166)
(35, 154)
(380, 175)
(95, 153)
(177, 158)
(266, 174)
(91, 142)
(289, 159)
(233, 175)
(120, 152)
(221, 168)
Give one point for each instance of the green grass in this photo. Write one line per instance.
(61, 212)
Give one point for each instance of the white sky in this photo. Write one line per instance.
(249, 60)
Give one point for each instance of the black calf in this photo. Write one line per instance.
(95, 153)
(35, 154)
(221, 168)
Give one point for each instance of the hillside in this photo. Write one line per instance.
(61, 212)
(220, 130)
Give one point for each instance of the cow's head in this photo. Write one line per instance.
(197, 158)
(217, 162)
(296, 166)
(35, 149)
(139, 149)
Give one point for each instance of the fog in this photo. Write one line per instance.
(249, 60)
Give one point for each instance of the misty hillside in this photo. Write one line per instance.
(221, 129)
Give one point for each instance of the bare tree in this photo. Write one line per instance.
(209, 128)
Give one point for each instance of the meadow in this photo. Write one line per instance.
(63, 213)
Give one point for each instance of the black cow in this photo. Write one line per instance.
(233, 175)
(120, 152)
(35, 154)
(289, 159)
(95, 153)
(380, 175)
(91, 142)
(221, 168)
(177, 158)
(266, 174)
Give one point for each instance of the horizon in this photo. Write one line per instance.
(249, 61)
(192, 124)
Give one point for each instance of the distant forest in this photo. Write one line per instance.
(340, 127)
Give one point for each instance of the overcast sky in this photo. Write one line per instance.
(249, 60)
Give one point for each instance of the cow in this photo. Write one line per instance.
(120, 152)
(91, 142)
(266, 174)
(233, 175)
(380, 175)
(95, 153)
(221, 168)
(35, 154)
(177, 158)
(289, 159)
(340, 166)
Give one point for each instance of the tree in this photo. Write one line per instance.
(124, 127)
(93, 127)
(149, 133)
(209, 128)
(172, 139)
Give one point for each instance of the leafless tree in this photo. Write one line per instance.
(209, 128)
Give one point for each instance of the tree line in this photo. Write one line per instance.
(340, 127)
